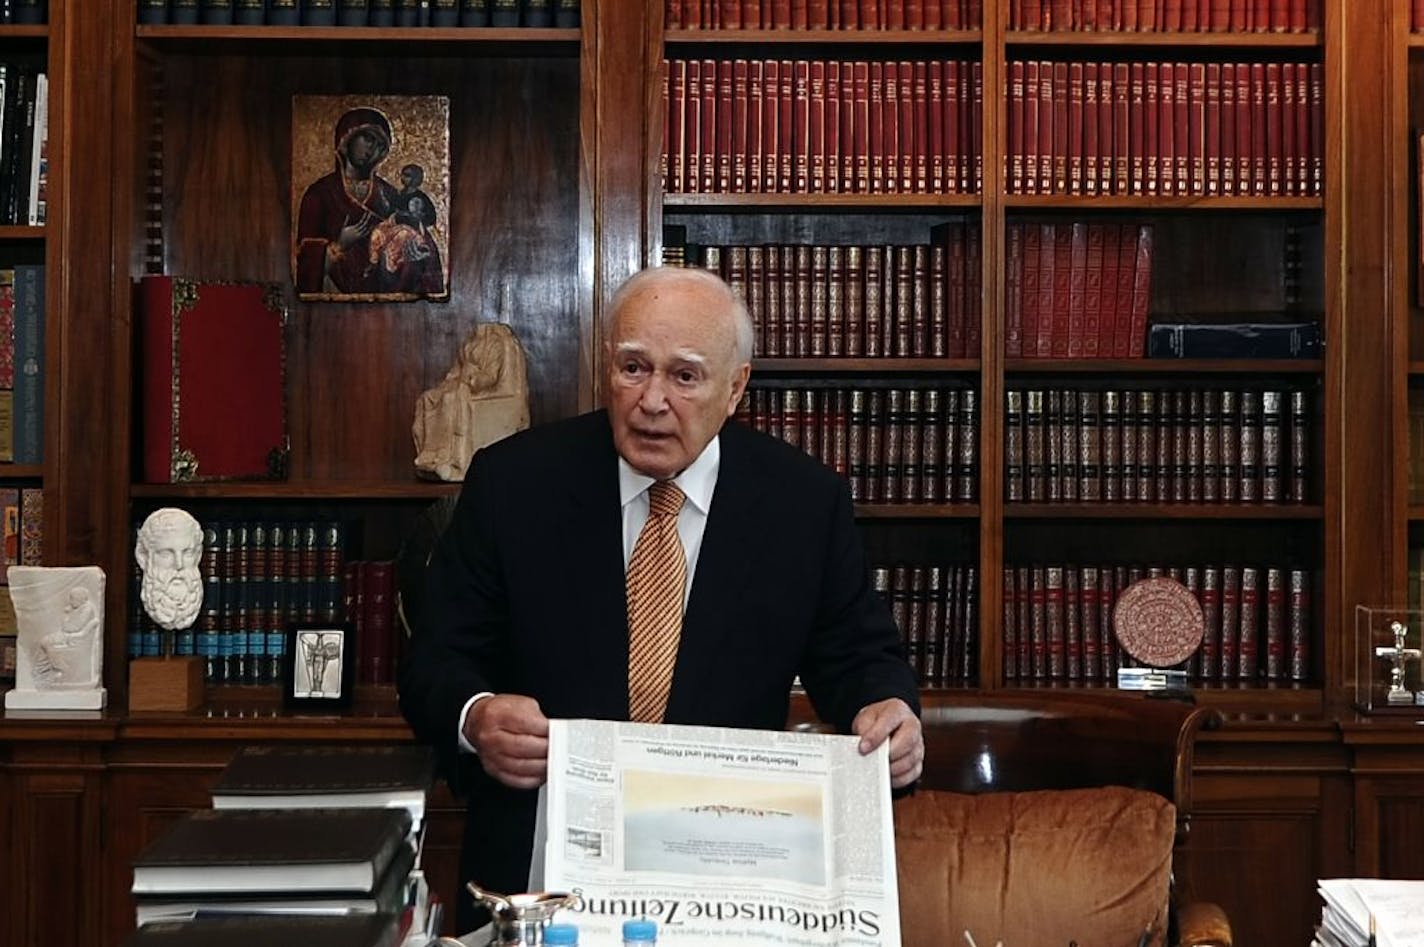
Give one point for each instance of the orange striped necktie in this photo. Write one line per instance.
(657, 577)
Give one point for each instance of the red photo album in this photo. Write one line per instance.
(211, 356)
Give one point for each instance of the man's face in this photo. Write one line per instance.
(673, 375)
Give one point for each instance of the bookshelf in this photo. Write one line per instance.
(556, 141)
(1218, 249)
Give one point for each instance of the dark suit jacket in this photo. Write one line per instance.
(526, 596)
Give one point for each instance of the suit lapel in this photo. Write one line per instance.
(592, 550)
(723, 570)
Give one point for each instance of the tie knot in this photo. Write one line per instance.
(664, 498)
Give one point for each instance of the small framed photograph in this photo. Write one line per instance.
(320, 670)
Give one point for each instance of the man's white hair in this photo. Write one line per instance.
(655, 276)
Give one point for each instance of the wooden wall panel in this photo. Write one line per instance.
(55, 826)
(355, 371)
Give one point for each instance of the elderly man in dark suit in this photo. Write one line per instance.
(537, 596)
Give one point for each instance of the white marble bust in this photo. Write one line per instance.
(169, 548)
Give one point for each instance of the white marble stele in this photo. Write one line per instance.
(59, 662)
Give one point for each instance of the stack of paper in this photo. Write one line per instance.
(1396, 908)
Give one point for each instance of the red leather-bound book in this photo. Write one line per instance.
(1073, 182)
(1092, 291)
(815, 128)
(1045, 320)
(1181, 126)
(786, 138)
(1077, 290)
(692, 127)
(1117, 102)
(973, 290)
(1028, 292)
(770, 125)
(710, 144)
(1290, 143)
(1061, 290)
(211, 356)
(1211, 130)
(378, 582)
(723, 128)
(1245, 117)
(1059, 140)
(1141, 291)
(1092, 130)
(1031, 106)
(832, 129)
(1171, 20)
(740, 100)
(1013, 290)
(801, 126)
(1273, 128)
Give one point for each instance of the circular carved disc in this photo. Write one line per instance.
(1158, 621)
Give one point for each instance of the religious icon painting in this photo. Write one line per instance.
(371, 197)
(320, 666)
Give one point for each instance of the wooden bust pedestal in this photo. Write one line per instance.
(171, 683)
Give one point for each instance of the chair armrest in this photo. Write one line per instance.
(1202, 924)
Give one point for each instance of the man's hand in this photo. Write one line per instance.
(511, 735)
(894, 719)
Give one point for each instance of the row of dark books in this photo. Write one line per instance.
(303, 844)
(1169, 16)
(1165, 446)
(22, 363)
(1184, 128)
(818, 301)
(370, 595)
(374, 13)
(24, 144)
(24, 11)
(936, 610)
(822, 126)
(258, 577)
(1057, 621)
(1076, 290)
(823, 14)
(896, 445)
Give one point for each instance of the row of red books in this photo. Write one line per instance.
(1185, 128)
(1171, 446)
(1170, 16)
(1077, 290)
(819, 301)
(895, 445)
(370, 603)
(936, 610)
(1058, 622)
(823, 14)
(798, 126)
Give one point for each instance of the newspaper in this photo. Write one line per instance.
(720, 836)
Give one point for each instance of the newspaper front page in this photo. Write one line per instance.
(720, 836)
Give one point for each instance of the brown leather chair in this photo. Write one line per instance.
(1018, 778)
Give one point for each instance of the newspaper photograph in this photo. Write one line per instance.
(720, 836)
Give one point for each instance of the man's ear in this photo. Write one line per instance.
(739, 387)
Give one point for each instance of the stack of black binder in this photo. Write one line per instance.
(310, 831)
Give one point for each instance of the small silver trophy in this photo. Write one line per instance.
(1399, 655)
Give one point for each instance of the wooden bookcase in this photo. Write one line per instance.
(556, 139)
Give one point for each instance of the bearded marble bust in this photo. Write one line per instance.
(169, 548)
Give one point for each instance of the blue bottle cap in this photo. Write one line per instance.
(565, 934)
(640, 930)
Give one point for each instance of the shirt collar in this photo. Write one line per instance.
(696, 482)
